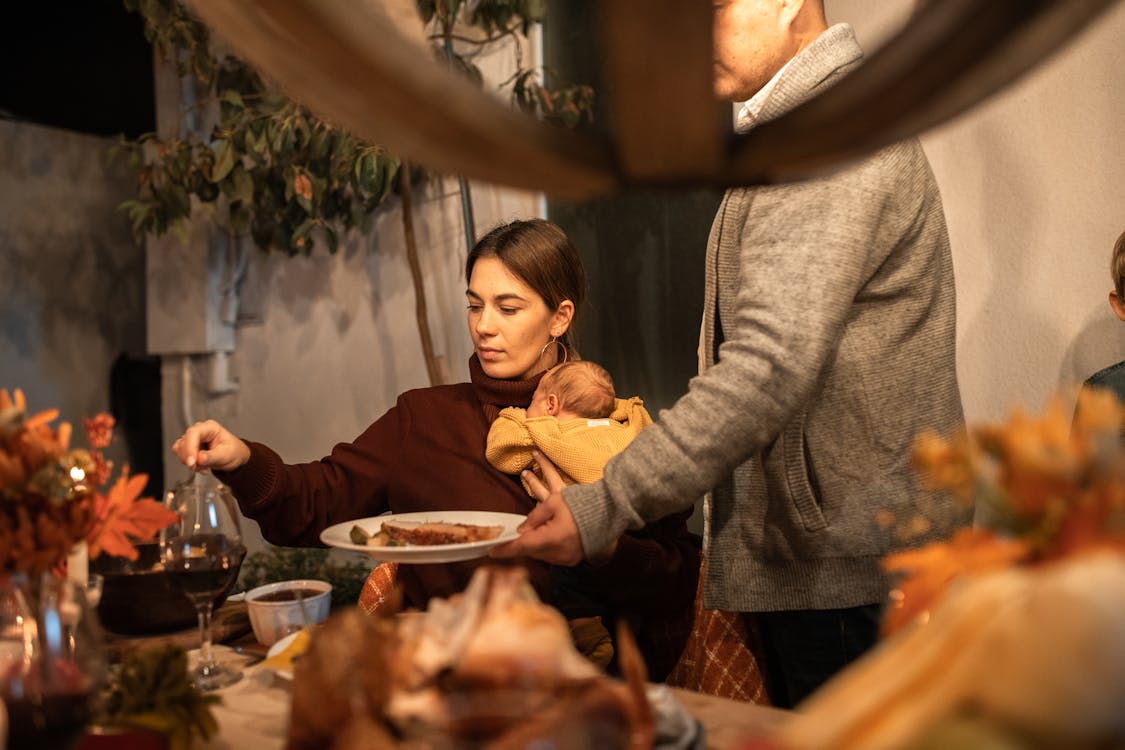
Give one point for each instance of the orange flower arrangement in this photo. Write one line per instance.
(51, 496)
(1044, 489)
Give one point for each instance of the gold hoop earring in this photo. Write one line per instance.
(555, 340)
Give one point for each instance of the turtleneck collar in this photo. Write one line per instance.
(495, 394)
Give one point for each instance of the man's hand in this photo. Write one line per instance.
(549, 533)
(209, 445)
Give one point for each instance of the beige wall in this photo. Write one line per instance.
(1034, 196)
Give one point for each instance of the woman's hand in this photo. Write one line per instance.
(549, 533)
(209, 445)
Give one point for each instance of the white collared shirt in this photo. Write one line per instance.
(752, 107)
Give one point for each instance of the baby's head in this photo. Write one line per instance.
(1117, 271)
(574, 389)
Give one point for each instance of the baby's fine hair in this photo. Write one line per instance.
(584, 387)
(1117, 267)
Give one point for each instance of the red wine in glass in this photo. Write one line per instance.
(51, 721)
(203, 566)
(202, 555)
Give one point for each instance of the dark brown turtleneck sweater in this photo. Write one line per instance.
(427, 454)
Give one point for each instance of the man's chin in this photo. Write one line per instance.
(725, 93)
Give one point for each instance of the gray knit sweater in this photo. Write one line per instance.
(835, 302)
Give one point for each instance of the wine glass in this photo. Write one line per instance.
(54, 663)
(202, 555)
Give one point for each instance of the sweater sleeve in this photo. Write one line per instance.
(509, 441)
(293, 503)
(804, 253)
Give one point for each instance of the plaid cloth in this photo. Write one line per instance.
(719, 656)
(379, 589)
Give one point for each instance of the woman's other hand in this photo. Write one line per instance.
(209, 445)
(549, 533)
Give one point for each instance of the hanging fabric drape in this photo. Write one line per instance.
(353, 63)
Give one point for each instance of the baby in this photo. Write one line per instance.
(576, 421)
(574, 390)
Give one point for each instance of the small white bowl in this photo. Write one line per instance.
(273, 620)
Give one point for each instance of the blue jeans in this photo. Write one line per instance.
(803, 649)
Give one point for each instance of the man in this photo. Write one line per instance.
(827, 347)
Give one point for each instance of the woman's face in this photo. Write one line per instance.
(510, 323)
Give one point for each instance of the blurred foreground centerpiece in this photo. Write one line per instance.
(492, 667)
(1044, 489)
(1011, 634)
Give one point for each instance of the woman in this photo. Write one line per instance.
(526, 285)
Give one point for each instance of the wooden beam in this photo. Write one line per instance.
(658, 72)
(347, 62)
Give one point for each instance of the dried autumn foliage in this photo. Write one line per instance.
(1049, 487)
(122, 518)
(50, 493)
(932, 568)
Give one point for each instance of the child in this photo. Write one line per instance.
(577, 422)
(1112, 378)
(574, 419)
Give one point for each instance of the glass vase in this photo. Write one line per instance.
(52, 661)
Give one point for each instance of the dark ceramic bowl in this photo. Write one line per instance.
(138, 598)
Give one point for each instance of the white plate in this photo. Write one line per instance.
(277, 648)
(337, 536)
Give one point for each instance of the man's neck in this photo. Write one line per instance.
(804, 34)
(752, 107)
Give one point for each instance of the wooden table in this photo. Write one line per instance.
(229, 624)
(728, 723)
(254, 712)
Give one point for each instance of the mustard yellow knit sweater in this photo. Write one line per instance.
(579, 447)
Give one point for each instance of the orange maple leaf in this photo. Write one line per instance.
(123, 518)
(931, 569)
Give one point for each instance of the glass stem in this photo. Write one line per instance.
(206, 660)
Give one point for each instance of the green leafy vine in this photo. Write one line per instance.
(266, 165)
